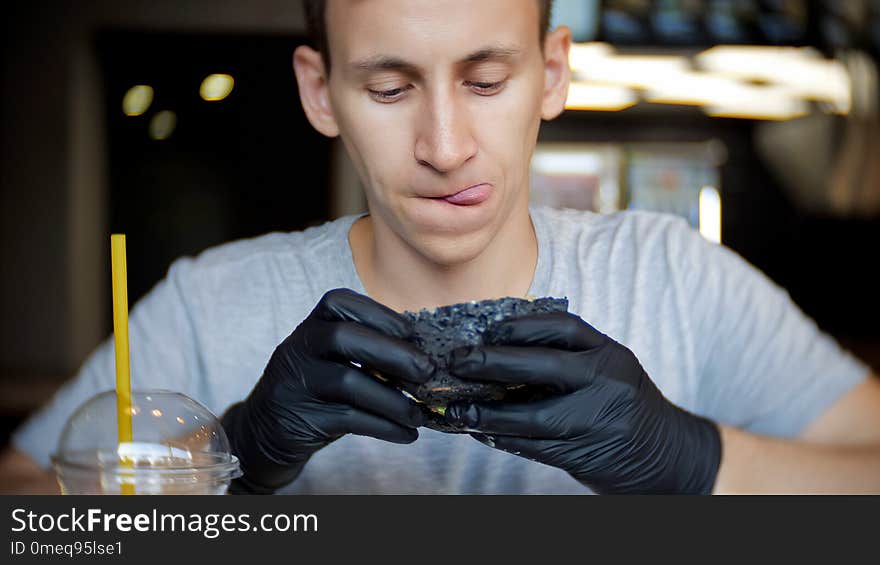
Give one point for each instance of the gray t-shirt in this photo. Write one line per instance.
(716, 335)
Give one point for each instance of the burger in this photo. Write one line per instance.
(439, 331)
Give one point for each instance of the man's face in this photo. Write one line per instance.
(438, 102)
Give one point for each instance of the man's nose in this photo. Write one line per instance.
(444, 140)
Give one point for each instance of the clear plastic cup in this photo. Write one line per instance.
(178, 447)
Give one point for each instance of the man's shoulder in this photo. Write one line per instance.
(637, 226)
(294, 246)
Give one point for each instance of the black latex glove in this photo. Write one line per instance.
(606, 423)
(310, 394)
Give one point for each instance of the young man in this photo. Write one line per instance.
(439, 103)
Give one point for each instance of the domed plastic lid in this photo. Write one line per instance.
(175, 440)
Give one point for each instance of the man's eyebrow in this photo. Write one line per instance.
(389, 63)
(491, 53)
(383, 63)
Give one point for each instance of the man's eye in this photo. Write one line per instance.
(388, 95)
(486, 88)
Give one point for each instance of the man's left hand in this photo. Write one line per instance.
(606, 423)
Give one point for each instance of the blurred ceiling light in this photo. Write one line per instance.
(756, 103)
(137, 100)
(776, 110)
(580, 55)
(803, 70)
(216, 87)
(710, 213)
(694, 88)
(787, 77)
(597, 62)
(162, 125)
(722, 96)
(608, 98)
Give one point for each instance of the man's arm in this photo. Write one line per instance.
(20, 474)
(839, 452)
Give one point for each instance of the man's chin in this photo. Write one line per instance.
(449, 253)
(448, 249)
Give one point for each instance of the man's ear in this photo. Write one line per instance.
(557, 74)
(313, 90)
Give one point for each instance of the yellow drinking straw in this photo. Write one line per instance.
(120, 333)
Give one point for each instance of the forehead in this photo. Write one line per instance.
(424, 31)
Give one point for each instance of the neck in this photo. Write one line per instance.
(395, 274)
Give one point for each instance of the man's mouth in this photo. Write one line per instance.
(470, 196)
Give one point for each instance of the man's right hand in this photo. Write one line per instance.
(312, 393)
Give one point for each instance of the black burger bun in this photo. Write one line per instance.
(439, 331)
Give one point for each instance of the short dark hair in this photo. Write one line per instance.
(317, 25)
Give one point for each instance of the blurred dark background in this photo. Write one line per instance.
(187, 173)
(238, 167)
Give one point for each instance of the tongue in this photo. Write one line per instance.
(467, 196)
